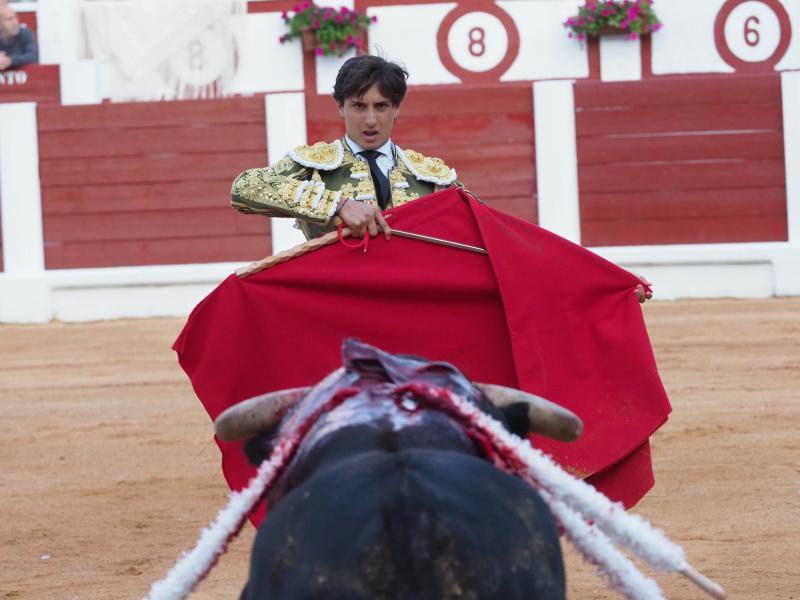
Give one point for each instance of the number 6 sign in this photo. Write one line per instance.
(752, 35)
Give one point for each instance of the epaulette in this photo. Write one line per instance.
(321, 156)
(427, 168)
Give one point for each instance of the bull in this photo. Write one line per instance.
(387, 495)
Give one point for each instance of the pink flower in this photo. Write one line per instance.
(316, 25)
(657, 26)
(319, 52)
(632, 14)
(358, 41)
(340, 18)
(282, 39)
(344, 10)
(570, 21)
(284, 15)
(606, 12)
(374, 19)
(350, 40)
(633, 36)
(305, 5)
(326, 15)
(332, 46)
(581, 36)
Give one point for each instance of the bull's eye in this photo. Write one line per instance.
(407, 402)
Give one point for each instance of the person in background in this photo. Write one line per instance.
(17, 43)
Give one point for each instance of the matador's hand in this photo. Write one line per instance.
(641, 293)
(361, 218)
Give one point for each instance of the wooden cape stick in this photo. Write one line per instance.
(333, 236)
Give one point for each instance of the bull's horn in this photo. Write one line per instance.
(246, 419)
(547, 418)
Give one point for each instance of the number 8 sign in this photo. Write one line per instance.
(752, 35)
(477, 41)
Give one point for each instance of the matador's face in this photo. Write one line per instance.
(369, 119)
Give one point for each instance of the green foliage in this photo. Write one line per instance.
(335, 31)
(632, 17)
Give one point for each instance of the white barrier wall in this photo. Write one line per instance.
(525, 39)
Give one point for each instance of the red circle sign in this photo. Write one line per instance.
(752, 36)
(477, 42)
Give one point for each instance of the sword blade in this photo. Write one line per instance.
(434, 240)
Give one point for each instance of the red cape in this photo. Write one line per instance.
(539, 313)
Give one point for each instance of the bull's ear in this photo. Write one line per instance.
(517, 418)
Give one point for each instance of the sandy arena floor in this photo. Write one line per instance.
(108, 470)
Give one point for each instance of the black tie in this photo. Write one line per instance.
(378, 178)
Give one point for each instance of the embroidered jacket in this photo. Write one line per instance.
(308, 183)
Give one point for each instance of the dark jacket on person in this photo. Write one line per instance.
(21, 49)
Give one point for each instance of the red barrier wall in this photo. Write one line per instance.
(485, 133)
(29, 19)
(32, 83)
(149, 183)
(681, 160)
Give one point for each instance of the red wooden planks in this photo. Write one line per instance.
(149, 183)
(691, 117)
(111, 116)
(138, 252)
(715, 145)
(156, 167)
(677, 175)
(681, 160)
(689, 204)
(674, 91)
(714, 230)
(31, 83)
(137, 141)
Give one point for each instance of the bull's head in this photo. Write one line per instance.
(381, 375)
(381, 452)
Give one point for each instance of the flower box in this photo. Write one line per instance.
(632, 18)
(325, 30)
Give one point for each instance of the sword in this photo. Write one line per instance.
(434, 240)
(333, 236)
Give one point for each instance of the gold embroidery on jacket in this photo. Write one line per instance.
(426, 168)
(321, 155)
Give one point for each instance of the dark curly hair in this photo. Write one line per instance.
(360, 73)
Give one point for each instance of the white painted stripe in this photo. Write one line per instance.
(79, 84)
(20, 196)
(677, 271)
(286, 129)
(557, 158)
(620, 58)
(790, 86)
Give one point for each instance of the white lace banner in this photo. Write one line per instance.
(163, 49)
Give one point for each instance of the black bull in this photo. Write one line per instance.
(387, 497)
